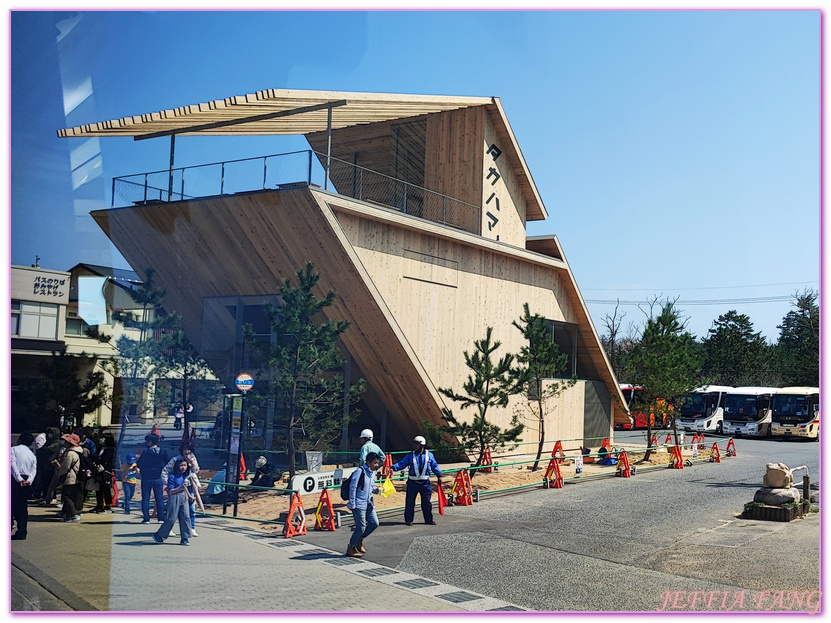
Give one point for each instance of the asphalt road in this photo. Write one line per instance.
(650, 542)
(620, 544)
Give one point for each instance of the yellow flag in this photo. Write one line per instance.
(388, 489)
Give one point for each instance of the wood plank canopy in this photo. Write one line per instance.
(261, 113)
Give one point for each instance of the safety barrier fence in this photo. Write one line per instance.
(615, 470)
(337, 457)
(289, 170)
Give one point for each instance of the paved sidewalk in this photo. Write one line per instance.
(110, 562)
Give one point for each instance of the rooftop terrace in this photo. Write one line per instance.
(293, 170)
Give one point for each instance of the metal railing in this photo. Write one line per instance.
(281, 171)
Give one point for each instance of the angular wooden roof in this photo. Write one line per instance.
(246, 113)
(359, 108)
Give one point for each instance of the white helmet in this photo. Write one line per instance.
(420, 440)
(366, 434)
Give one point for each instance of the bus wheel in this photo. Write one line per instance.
(720, 428)
(770, 432)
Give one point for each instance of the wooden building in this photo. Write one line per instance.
(419, 227)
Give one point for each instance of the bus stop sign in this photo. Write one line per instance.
(244, 381)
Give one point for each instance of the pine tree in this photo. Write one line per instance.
(74, 387)
(540, 361)
(665, 361)
(734, 353)
(162, 351)
(307, 391)
(488, 385)
(798, 345)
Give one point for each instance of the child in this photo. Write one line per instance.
(178, 503)
(128, 481)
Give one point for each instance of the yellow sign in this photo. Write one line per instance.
(236, 422)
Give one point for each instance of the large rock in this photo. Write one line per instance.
(777, 476)
(777, 497)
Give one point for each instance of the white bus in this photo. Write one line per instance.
(747, 411)
(703, 410)
(796, 412)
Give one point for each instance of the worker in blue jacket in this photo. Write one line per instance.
(421, 464)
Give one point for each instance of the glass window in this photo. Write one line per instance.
(76, 326)
(564, 335)
(15, 321)
(38, 320)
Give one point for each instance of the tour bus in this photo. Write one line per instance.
(747, 411)
(796, 412)
(703, 410)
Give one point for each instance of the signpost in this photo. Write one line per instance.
(244, 383)
(315, 482)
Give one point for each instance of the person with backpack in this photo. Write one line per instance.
(58, 449)
(72, 491)
(150, 464)
(105, 467)
(45, 455)
(361, 488)
(421, 463)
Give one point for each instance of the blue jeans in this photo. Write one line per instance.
(366, 520)
(422, 488)
(128, 489)
(193, 515)
(158, 491)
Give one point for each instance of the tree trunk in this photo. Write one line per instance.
(541, 416)
(648, 452)
(290, 448)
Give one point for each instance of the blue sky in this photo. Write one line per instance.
(677, 152)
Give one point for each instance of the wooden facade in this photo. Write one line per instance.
(417, 292)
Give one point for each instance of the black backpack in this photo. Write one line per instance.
(86, 468)
(345, 484)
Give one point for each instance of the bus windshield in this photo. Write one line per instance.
(698, 405)
(792, 408)
(742, 407)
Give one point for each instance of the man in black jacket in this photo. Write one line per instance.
(150, 464)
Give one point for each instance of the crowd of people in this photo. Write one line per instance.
(83, 466)
(76, 462)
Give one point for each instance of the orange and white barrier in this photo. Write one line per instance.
(325, 508)
(487, 460)
(462, 492)
(292, 527)
(557, 453)
(677, 460)
(553, 471)
(622, 467)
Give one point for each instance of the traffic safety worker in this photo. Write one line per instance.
(369, 446)
(421, 464)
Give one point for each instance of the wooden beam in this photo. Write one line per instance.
(253, 119)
